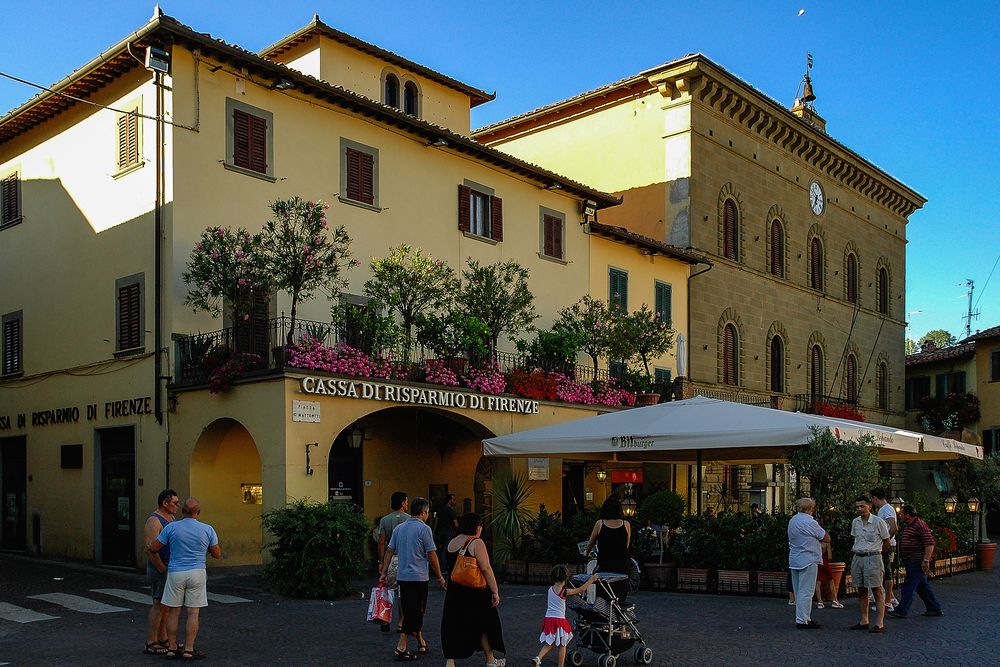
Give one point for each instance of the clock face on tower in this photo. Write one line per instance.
(817, 200)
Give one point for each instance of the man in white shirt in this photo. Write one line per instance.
(804, 557)
(880, 501)
(871, 540)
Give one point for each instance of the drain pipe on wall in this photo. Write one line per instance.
(708, 268)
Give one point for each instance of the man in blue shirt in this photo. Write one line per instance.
(804, 557)
(189, 541)
(413, 541)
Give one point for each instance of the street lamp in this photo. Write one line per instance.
(601, 475)
(628, 507)
(897, 504)
(973, 505)
(950, 504)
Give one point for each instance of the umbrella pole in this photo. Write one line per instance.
(698, 481)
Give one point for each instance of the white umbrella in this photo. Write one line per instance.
(690, 430)
(681, 356)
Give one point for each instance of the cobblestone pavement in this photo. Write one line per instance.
(252, 627)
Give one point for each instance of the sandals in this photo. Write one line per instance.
(403, 656)
(819, 605)
(877, 630)
(422, 649)
(155, 648)
(859, 626)
(836, 604)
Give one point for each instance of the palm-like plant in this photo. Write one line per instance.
(510, 515)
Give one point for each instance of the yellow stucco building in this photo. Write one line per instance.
(102, 204)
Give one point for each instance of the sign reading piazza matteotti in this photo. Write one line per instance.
(442, 398)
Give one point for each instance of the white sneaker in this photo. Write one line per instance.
(890, 607)
(791, 603)
(894, 602)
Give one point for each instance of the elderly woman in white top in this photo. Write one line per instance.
(805, 536)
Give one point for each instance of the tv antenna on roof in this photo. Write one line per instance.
(969, 313)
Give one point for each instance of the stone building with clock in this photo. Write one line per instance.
(805, 298)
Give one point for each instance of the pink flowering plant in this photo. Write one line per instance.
(222, 376)
(310, 353)
(225, 266)
(302, 254)
(488, 380)
(437, 372)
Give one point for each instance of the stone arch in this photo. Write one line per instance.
(776, 214)
(883, 381)
(850, 352)
(225, 475)
(777, 329)
(816, 340)
(412, 87)
(391, 75)
(816, 232)
(883, 292)
(730, 317)
(729, 193)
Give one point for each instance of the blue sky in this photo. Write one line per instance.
(908, 85)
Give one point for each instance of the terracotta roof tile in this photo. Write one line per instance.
(963, 350)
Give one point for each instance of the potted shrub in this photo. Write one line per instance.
(731, 530)
(547, 542)
(983, 479)
(454, 337)
(696, 550)
(767, 545)
(642, 335)
(663, 511)
(509, 523)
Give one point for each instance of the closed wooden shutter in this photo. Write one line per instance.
(730, 249)
(852, 278)
(729, 355)
(552, 230)
(10, 205)
(367, 179)
(258, 144)
(496, 218)
(360, 176)
(777, 249)
(852, 378)
(663, 300)
(249, 141)
(12, 346)
(253, 334)
(882, 382)
(883, 291)
(464, 208)
(618, 289)
(816, 255)
(128, 140)
(129, 324)
(816, 379)
(777, 364)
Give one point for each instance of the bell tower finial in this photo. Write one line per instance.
(804, 98)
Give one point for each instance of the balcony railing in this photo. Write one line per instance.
(833, 406)
(262, 346)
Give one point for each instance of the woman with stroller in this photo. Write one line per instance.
(470, 621)
(612, 535)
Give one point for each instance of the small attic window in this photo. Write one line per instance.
(411, 97)
(390, 94)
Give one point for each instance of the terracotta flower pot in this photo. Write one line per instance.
(643, 399)
(837, 574)
(984, 555)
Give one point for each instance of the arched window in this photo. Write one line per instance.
(816, 270)
(391, 93)
(777, 364)
(851, 378)
(730, 355)
(410, 97)
(777, 249)
(883, 290)
(882, 386)
(730, 231)
(852, 278)
(816, 372)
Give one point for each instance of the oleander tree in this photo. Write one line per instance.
(498, 295)
(225, 267)
(641, 335)
(411, 283)
(301, 254)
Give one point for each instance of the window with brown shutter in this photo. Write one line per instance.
(552, 236)
(816, 270)
(128, 140)
(253, 333)
(480, 213)
(129, 325)
(816, 380)
(777, 249)
(360, 176)
(852, 278)
(730, 231)
(496, 219)
(851, 376)
(730, 355)
(10, 198)
(883, 290)
(464, 208)
(249, 141)
(882, 385)
(11, 345)
(777, 364)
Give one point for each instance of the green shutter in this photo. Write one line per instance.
(663, 302)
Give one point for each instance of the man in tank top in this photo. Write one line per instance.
(156, 571)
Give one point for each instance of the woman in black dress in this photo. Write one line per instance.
(470, 621)
(612, 535)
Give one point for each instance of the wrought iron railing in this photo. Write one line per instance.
(737, 396)
(817, 404)
(264, 342)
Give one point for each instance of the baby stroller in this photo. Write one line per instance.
(605, 626)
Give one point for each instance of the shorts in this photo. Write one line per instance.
(185, 589)
(157, 580)
(867, 571)
(413, 604)
(887, 563)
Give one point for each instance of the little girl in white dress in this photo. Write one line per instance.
(556, 630)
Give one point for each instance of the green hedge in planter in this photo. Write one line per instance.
(547, 540)
(318, 548)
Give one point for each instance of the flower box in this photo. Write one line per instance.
(539, 573)
(733, 581)
(661, 576)
(772, 583)
(515, 571)
(693, 579)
